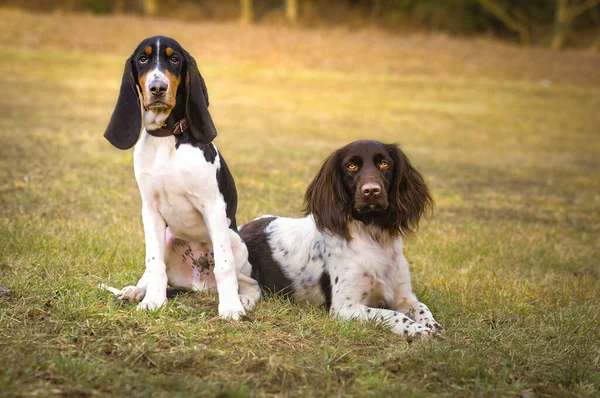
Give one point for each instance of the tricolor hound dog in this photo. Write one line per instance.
(347, 253)
(189, 198)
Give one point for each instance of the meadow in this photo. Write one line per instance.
(507, 138)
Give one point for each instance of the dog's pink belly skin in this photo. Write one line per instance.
(189, 264)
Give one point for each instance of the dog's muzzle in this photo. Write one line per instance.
(370, 197)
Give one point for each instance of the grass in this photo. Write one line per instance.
(509, 264)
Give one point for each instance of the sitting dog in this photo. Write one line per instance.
(189, 198)
(347, 253)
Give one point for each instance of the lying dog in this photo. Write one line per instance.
(189, 198)
(347, 253)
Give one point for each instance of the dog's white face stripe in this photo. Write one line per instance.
(157, 51)
(155, 118)
(157, 74)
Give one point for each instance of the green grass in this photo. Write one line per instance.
(509, 264)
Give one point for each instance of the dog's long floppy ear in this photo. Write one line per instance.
(125, 124)
(327, 200)
(196, 107)
(412, 199)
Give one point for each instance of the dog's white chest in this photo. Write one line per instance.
(175, 181)
(374, 267)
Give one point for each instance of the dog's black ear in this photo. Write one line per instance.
(327, 200)
(409, 196)
(196, 107)
(125, 124)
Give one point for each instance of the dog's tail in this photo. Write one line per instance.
(111, 289)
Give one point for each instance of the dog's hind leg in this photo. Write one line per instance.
(248, 288)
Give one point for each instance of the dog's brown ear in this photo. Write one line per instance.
(327, 200)
(412, 198)
(125, 124)
(196, 108)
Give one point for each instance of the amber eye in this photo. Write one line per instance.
(352, 167)
(384, 165)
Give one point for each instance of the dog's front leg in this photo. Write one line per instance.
(230, 306)
(405, 300)
(155, 276)
(398, 322)
(350, 300)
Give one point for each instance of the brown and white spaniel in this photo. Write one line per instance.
(347, 252)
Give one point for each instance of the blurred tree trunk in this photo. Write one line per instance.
(377, 9)
(308, 10)
(596, 44)
(291, 10)
(70, 5)
(150, 7)
(247, 12)
(119, 7)
(516, 23)
(564, 15)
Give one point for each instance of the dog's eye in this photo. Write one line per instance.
(352, 167)
(174, 60)
(143, 59)
(384, 164)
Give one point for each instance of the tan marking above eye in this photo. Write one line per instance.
(148, 50)
(169, 51)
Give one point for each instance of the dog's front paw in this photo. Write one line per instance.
(130, 293)
(422, 315)
(412, 329)
(151, 305)
(417, 330)
(436, 329)
(430, 331)
(231, 310)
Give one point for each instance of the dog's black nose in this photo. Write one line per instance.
(371, 189)
(158, 87)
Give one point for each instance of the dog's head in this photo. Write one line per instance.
(370, 182)
(161, 85)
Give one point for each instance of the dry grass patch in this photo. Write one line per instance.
(509, 263)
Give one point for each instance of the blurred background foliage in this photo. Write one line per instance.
(553, 23)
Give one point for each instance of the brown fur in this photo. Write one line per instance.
(173, 86)
(142, 85)
(331, 199)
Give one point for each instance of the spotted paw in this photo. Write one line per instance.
(413, 329)
(419, 336)
(435, 327)
(436, 330)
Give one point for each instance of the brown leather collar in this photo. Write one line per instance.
(179, 128)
